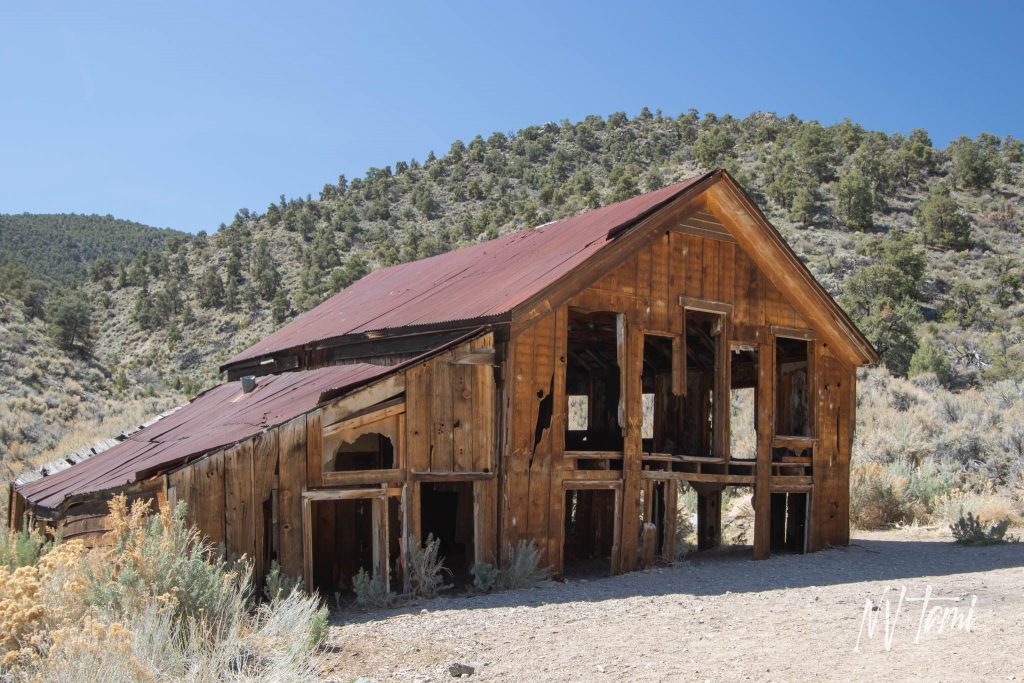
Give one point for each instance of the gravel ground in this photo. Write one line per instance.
(720, 616)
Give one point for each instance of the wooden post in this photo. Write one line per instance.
(650, 538)
(709, 516)
(765, 429)
(631, 419)
(668, 545)
(307, 543)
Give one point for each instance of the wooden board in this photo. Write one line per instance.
(292, 467)
(265, 450)
(239, 517)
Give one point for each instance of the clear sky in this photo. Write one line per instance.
(178, 113)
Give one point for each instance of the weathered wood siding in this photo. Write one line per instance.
(696, 259)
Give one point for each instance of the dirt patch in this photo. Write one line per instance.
(719, 616)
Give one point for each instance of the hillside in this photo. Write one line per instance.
(62, 247)
(921, 245)
(843, 196)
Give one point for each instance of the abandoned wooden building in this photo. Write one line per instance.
(562, 385)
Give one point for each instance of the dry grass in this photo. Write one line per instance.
(156, 605)
(925, 455)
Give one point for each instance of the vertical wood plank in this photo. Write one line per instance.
(727, 272)
(441, 414)
(643, 260)
(463, 385)
(292, 457)
(765, 429)
(632, 448)
(239, 519)
(314, 450)
(484, 407)
(264, 476)
(694, 266)
(542, 401)
(741, 288)
(677, 278)
(709, 276)
(417, 412)
(208, 500)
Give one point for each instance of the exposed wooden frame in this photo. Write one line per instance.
(624, 244)
(794, 332)
(762, 242)
(707, 233)
(363, 419)
(343, 430)
(379, 523)
(361, 399)
(596, 485)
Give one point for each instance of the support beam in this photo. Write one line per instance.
(709, 519)
(765, 428)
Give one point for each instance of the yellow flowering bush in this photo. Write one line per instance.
(157, 603)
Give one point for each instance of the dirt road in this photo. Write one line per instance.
(718, 617)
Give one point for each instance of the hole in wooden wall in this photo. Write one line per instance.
(370, 451)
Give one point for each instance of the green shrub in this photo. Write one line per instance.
(277, 586)
(427, 570)
(523, 568)
(929, 359)
(485, 576)
(23, 548)
(371, 591)
(969, 530)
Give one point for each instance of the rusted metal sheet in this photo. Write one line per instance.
(222, 416)
(481, 282)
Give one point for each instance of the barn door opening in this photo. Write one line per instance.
(789, 522)
(446, 511)
(657, 535)
(590, 534)
(348, 531)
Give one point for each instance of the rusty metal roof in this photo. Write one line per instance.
(480, 282)
(219, 417)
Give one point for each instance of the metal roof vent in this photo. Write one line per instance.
(248, 383)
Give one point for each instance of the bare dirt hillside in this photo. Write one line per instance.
(720, 617)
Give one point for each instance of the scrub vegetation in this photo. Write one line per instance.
(920, 244)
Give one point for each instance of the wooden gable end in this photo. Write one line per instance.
(721, 248)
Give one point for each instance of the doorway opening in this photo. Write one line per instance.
(446, 512)
(658, 524)
(789, 522)
(589, 532)
(349, 534)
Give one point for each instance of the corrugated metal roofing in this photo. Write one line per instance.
(219, 417)
(479, 282)
(81, 454)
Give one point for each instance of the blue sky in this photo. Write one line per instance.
(179, 113)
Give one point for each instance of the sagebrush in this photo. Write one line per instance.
(158, 604)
